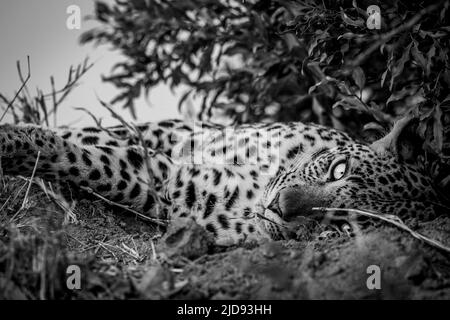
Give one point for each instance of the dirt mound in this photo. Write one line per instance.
(121, 257)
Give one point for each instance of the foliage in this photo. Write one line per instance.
(290, 60)
(287, 59)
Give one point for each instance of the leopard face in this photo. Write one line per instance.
(353, 177)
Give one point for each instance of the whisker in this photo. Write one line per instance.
(270, 220)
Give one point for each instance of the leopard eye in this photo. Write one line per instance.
(338, 170)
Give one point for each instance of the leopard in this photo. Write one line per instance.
(241, 183)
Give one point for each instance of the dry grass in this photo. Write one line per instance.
(34, 250)
(392, 220)
(37, 245)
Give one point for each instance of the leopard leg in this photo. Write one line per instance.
(119, 174)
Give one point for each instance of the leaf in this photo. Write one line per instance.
(319, 37)
(437, 129)
(291, 41)
(398, 68)
(383, 77)
(102, 11)
(344, 49)
(399, 95)
(418, 57)
(347, 35)
(359, 77)
(139, 4)
(445, 104)
(348, 21)
(326, 81)
(349, 103)
(236, 49)
(323, 57)
(374, 126)
(422, 129)
(87, 36)
(312, 46)
(430, 55)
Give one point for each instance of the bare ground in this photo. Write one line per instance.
(122, 257)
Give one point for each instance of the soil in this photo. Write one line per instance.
(122, 257)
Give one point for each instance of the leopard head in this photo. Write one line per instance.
(352, 177)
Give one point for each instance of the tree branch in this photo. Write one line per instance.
(388, 36)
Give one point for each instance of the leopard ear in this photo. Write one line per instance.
(402, 142)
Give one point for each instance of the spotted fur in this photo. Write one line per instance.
(225, 179)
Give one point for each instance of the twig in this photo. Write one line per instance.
(388, 36)
(98, 123)
(43, 274)
(2, 176)
(116, 115)
(76, 239)
(177, 270)
(394, 220)
(98, 244)
(20, 190)
(132, 252)
(154, 255)
(134, 244)
(69, 214)
(72, 82)
(262, 217)
(134, 130)
(21, 77)
(160, 222)
(150, 178)
(389, 142)
(31, 180)
(55, 106)
(110, 251)
(7, 200)
(24, 83)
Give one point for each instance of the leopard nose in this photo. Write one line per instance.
(281, 204)
(289, 203)
(274, 206)
(293, 202)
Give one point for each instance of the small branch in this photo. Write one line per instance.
(98, 123)
(55, 105)
(28, 188)
(389, 142)
(160, 222)
(394, 220)
(72, 83)
(134, 130)
(31, 181)
(24, 83)
(115, 115)
(388, 36)
(70, 216)
(154, 255)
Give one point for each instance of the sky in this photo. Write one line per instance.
(38, 29)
